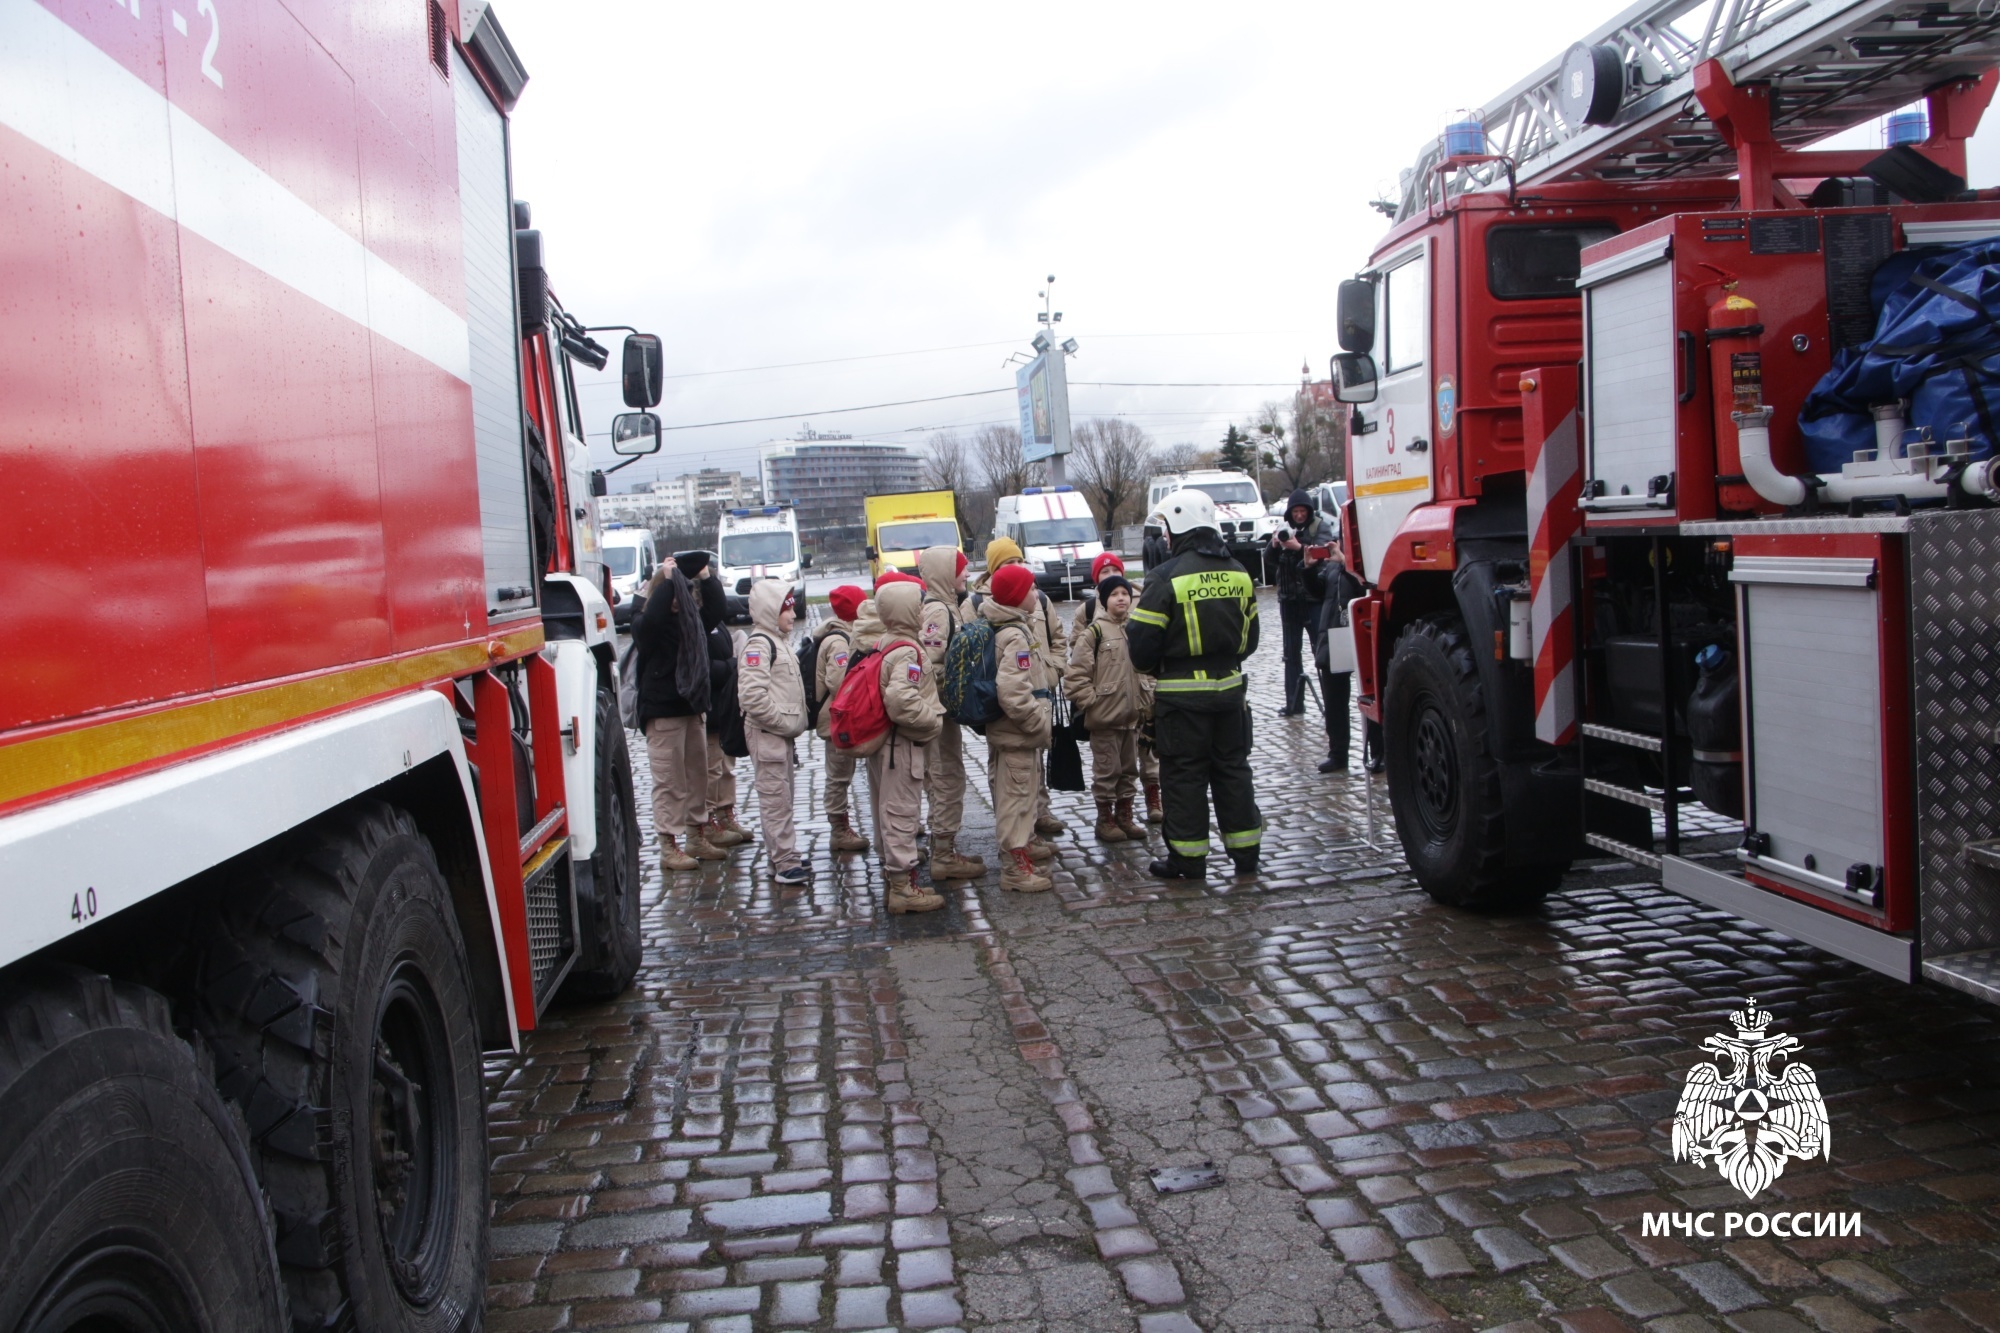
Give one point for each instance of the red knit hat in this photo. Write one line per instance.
(1012, 584)
(961, 563)
(1110, 558)
(846, 600)
(889, 576)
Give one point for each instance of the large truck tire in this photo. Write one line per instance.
(127, 1198)
(607, 885)
(334, 990)
(1444, 783)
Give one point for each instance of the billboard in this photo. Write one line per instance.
(1044, 392)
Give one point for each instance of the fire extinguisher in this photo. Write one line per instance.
(1736, 383)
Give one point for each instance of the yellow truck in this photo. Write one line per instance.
(901, 525)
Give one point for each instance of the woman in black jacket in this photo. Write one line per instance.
(683, 602)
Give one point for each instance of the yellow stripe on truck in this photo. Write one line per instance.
(1391, 487)
(69, 758)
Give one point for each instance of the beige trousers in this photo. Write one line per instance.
(1017, 782)
(721, 775)
(896, 786)
(1149, 766)
(1042, 810)
(944, 780)
(839, 777)
(771, 761)
(1114, 763)
(677, 752)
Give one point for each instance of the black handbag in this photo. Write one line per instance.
(1066, 729)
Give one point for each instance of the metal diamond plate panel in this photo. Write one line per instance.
(1955, 642)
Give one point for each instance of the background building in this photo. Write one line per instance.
(826, 475)
(685, 506)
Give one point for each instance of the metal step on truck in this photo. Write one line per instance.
(313, 788)
(1673, 477)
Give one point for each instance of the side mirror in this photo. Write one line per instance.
(1354, 377)
(645, 370)
(1354, 316)
(600, 485)
(635, 434)
(805, 560)
(870, 552)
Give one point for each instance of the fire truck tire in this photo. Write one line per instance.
(127, 1198)
(1444, 784)
(334, 989)
(607, 888)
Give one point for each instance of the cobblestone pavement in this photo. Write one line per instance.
(808, 1116)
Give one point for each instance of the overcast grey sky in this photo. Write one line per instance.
(780, 183)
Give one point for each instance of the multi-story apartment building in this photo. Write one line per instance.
(826, 475)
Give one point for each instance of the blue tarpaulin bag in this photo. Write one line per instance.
(1936, 345)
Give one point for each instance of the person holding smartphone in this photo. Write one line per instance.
(1303, 542)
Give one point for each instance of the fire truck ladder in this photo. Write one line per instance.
(1637, 100)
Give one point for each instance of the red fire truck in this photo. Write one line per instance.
(1611, 607)
(312, 783)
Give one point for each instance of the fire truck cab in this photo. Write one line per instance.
(1617, 604)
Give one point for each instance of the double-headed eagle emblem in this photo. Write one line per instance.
(1751, 1120)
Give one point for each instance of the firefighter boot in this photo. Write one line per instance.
(700, 848)
(1108, 828)
(1018, 873)
(948, 863)
(1155, 812)
(1176, 866)
(1048, 826)
(845, 837)
(672, 858)
(904, 896)
(724, 831)
(1041, 849)
(1134, 831)
(1246, 862)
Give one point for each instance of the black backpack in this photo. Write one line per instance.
(809, 672)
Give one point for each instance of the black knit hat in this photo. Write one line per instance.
(1111, 583)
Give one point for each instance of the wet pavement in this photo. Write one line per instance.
(806, 1115)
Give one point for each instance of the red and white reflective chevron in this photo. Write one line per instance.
(1555, 482)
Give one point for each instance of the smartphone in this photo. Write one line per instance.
(1320, 552)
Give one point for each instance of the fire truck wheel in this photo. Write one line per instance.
(1443, 782)
(127, 1199)
(607, 886)
(334, 989)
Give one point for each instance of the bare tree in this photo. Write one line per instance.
(1108, 459)
(1319, 435)
(1182, 457)
(949, 466)
(1001, 459)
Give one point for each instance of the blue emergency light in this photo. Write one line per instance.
(1047, 490)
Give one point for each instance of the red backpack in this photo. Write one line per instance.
(860, 721)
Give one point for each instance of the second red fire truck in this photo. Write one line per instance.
(1679, 547)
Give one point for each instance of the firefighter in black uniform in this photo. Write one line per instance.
(1194, 625)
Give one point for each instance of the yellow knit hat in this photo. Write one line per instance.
(1000, 550)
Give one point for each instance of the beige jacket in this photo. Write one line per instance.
(1024, 676)
(1101, 679)
(909, 685)
(768, 687)
(939, 567)
(836, 645)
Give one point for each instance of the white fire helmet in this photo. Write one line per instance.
(1185, 510)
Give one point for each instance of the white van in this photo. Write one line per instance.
(1057, 535)
(1239, 511)
(753, 544)
(630, 556)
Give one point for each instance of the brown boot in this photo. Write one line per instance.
(845, 837)
(724, 831)
(672, 858)
(1049, 826)
(948, 863)
(1040, 849)
(1134, 832)
(1154, 811)
(700, 848)
(1107, 825)
(1018, 873)
(904, 896)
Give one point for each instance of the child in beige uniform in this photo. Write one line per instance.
(773, 698)
(1102, 681)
